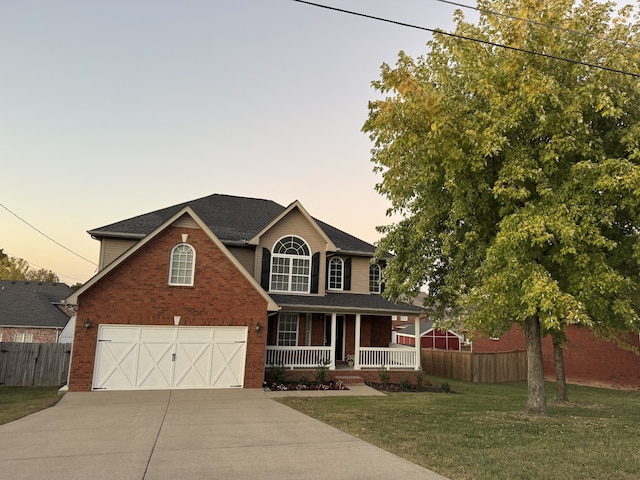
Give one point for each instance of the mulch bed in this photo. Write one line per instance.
(286, 386)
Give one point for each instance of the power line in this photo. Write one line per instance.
(535, 22)
(47, 236)
(471, 39)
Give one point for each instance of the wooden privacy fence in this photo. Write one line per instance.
(481, 367)
(34, 364)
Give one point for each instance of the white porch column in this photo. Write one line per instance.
(332, 353)
(417, 345)
(356, 353)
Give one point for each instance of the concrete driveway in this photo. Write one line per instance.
(187, 434)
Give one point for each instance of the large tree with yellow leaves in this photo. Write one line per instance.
(515, 174)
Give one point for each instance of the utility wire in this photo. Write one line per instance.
(535, 22)
(471, 39)
(47, 236)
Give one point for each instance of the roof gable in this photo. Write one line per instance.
(185, 211)
(295, 206)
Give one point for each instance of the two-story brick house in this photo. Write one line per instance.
(207, 293)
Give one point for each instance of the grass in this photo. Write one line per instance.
(17, 402)
(482, 431)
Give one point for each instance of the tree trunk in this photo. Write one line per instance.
(536, 395)
(561, 383)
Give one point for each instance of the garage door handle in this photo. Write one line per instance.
(173, 357)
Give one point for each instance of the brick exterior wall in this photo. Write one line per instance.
(40, 335)
(587, 359)
(137, 293)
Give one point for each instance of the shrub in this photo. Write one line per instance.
(405, 384)
(384, 375)
(278, 373)
(322, 371)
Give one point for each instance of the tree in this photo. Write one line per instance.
(516, 177)
(13, 268)
(562, 395)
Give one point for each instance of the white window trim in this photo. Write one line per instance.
(193, 266)
(336, 260)
(308, 330)
(297, 330)
(23, 337)
(379, 270)
(290, 259)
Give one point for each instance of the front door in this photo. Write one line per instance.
(339, 348)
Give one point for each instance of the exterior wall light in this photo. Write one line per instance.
(87, 324)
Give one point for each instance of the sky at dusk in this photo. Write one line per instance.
(113, 109)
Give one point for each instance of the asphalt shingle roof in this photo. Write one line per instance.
(231, 219)
(31, 304)
(410, 328)
(346, 301)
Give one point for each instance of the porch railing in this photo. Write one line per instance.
(370, 357)
(383, 357)
(297, 357)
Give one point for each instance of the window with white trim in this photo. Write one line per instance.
(374, 278)
(290, 265)
(288, 330)
(23, 337)
(336, 273)
(183, 259)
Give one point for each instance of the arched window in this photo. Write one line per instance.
(183, 260)
(336, 273)
(290, 265)
(374, 278)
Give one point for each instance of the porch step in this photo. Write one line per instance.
(351, 379)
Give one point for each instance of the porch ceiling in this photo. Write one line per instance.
(344, 303)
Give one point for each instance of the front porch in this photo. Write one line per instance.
(339, 341)
(395, 356)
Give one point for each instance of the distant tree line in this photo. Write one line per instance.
(14, 268)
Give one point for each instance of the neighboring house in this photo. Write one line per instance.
(587, 359)
(208, 293)
(431, 337)
(66, 336)
(400, 322)
(32, 311)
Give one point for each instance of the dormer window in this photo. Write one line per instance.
(183, 259)
(290, 265)
(336, 273)
(374, 278)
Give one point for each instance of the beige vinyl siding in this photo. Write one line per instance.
(185, 222)
(294, 223)
(112, 248)
(246, 257)
(360, 274)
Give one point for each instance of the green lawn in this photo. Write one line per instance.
(16, 402)
(482, 431)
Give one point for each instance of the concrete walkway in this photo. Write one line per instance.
(188, 434)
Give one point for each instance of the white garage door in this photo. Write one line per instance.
(145, 358)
